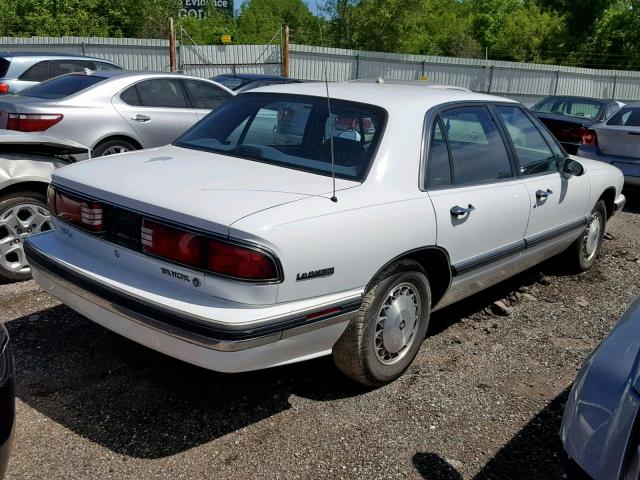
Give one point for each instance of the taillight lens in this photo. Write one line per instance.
(172, 244)
(32, 122)
(82, 213)
(239, 262)
(589, 137)
(204, 253)
(4, 88)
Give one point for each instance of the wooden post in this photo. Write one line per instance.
(285, 53)
(172, 46)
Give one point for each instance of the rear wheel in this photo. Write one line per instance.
(385, 336)
(583, 253)
(114, 146)
(21, 215)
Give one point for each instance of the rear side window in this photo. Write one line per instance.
(62, 67)
(36, 73)
(204, 95)
(627, 117)
(161, 92)
(61, 87)
(439, 171)
(534, 155)
(4, 66)
(478, 153)
(130, 96)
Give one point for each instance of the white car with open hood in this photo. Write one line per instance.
(226, 249)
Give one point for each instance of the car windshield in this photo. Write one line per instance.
(292, 131)
(571, 107)
(232, 83)
(61, 87)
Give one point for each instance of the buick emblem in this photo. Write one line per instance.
(196, 282)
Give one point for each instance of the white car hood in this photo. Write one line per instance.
(200, 189)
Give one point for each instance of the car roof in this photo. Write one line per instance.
(254, 76)
(14, 54)
(390, 96)
(133, 73)
(578, 97)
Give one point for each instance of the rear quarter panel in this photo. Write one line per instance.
(15, 170)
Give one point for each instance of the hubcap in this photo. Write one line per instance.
(16, 224)
(397, 323)
(115, 149)
(592, 236)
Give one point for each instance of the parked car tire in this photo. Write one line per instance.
(379, 343)
(21, 214)
(111, 147)
(583, 253)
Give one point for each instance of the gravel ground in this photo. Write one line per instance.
(484, 398)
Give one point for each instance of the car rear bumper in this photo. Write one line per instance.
(619, 203)
(282, 340)
(630, 167)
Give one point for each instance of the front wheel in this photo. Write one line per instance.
(384, 337)
(21, 214)
(583, 253)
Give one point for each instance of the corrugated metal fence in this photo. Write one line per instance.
(522, 81)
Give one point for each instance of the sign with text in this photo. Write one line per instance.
(198, 8)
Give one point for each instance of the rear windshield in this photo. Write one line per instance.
(627, 117)
(293, 131)
(4, 66)
(570, 107)
(61, 87)
(232, 83)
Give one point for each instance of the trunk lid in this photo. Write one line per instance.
(618, 140)
(198, 189)
(565, 129)
(21, 104)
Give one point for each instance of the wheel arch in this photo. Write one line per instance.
(436, 263)
(38, 186)
(609, 197)
(110, 137)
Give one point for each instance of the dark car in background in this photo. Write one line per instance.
(20, 70)
(568, 117)
(617, 142)
(248, 81)
(7, 399)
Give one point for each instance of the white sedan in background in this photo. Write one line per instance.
(231, 250)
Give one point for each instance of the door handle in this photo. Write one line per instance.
(458, 211)
(141, 118)
(543, 193)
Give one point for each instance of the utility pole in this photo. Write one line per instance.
(172, 46)
(285, 53)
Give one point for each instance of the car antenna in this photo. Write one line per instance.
(326, 86)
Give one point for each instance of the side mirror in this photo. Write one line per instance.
(572, 167)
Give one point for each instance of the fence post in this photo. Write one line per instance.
(555, 88)
(357, 66)
(83, 48)
(424, 67)
(490, 78)
(615, 84)
(172, 46)
(285, 54)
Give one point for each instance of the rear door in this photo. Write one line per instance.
(205, 96)
(621, 134)
(157, 109)
(481, 207)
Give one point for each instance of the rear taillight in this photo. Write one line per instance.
(239, 262)
(32, 122)
(205, 253)
(4, 88)
(589, 137)
(85, 214)
(172, 244)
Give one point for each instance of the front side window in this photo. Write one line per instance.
(534, 155)
(478, 153)
(61, 87)
(627, 117)
(161, 92)
(204, 95)
(293, 131)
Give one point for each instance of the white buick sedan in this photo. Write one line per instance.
(232, 249)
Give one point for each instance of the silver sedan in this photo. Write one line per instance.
(113, 111)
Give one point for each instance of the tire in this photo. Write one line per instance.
(366, 352)
(111, 147)
(585, 250)
(21, 215)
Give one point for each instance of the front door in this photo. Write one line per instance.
(481, 207)
(558, 203)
